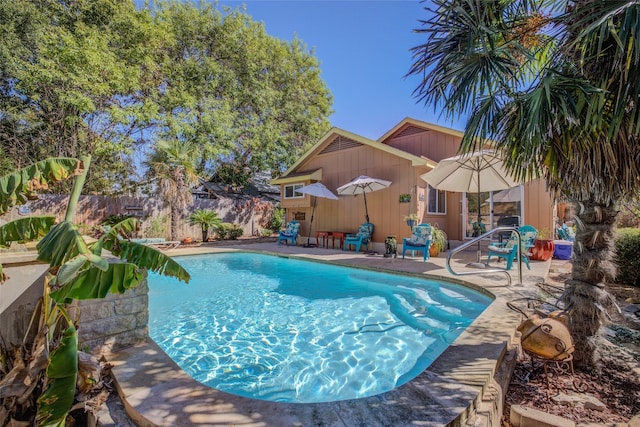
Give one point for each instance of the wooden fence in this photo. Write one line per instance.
(250, 213)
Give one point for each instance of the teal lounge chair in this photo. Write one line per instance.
(363, 236)
(509, 249)
(290, 234)
(420, 240)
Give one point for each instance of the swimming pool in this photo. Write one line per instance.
(288, 330)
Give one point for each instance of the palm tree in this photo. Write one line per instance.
(172, 165)
(554, 86)
(206, 219)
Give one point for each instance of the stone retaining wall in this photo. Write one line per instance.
(115, 322)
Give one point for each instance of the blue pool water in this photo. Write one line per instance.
(287, 330)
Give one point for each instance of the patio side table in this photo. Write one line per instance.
(325, 238)
(340, 235)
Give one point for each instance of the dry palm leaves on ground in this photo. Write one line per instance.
(21, 383)
(616, 384)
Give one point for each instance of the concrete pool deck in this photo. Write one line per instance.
(463, 386)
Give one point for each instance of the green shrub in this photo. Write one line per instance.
(628, 256)
(228, 231)
(276, 222)
(265, 232)
(157, 227)
(115, 219)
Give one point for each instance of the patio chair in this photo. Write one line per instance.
(363, 236)
(507, 221)
(420, 240)
(565, 233)
(509, 249)
(290, 234)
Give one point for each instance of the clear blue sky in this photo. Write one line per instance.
(364, 51)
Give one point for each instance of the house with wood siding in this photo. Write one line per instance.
(401, 155)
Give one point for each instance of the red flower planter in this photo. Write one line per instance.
(542, 250)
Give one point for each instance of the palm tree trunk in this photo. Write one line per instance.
(585, 295)
(175, 213)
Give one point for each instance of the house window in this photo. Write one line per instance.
(291, 193)
(436, 201)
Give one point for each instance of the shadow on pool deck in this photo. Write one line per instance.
(465, 384)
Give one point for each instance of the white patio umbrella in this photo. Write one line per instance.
(474, 172)
(363, 185)
(510, 195)
(316, 190)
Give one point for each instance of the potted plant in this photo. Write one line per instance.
(206, 219)
(411, 219)
(404, 198)
(543, 247)
(439, 241)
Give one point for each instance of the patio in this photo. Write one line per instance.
(465, 383)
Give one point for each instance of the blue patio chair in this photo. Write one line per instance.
(420, 240)
(565, 233)
(363, 236)
(509, 249)
(290, 234)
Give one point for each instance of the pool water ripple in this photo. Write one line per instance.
(287, 330)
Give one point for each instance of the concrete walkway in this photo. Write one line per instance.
(463, 386)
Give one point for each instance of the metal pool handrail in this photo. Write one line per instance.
(494, 270)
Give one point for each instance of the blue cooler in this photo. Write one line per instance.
(562, 249)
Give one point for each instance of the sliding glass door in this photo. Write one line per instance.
(494, 207)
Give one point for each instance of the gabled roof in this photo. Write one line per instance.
(408, 123)
(337, 132)
(257, 184)
(315, 175)
(262, 182)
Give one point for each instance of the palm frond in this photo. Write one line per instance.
(471, 51)
(607, 46)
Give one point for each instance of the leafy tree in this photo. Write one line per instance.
(77, 77)
(206, 219)
(104, 77)
(249, 101)
(555, 87)
(77, 271)
(171, 165)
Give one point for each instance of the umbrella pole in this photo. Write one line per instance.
(313, 211)
(478, 263)
(366, 210)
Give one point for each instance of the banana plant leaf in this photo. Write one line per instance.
(57, 399)
(124, 228)
(64, 243)
(141, 255)
(25, 229)
(22, 185)
(96, 283)
(148, 258)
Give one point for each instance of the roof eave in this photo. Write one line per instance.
(315, 175)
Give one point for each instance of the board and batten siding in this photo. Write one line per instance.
(348, 212)
(342, 160)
